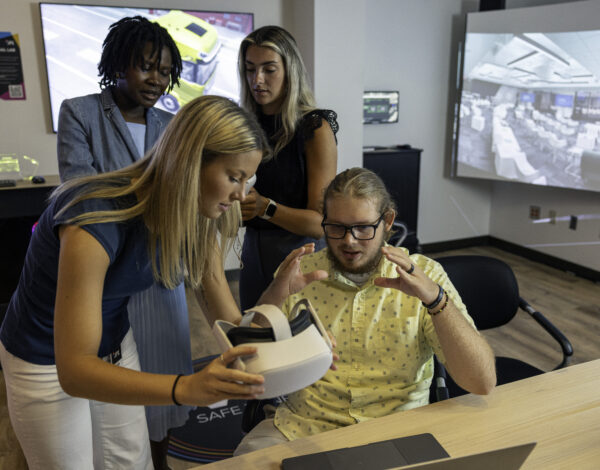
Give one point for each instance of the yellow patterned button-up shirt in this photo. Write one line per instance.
(385, 340)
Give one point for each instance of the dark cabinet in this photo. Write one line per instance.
(20, 208)
(399, 169)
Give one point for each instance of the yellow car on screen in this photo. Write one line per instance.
(198, 44)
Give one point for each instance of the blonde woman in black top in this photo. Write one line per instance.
(282, 211)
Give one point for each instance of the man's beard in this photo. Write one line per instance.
(367, 267)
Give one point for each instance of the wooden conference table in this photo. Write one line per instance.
(559, 410)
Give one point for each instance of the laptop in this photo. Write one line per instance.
(509, 458)
(374, 456)
(421, 452)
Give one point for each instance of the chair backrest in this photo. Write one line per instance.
(400, 232)
(590, 165)
(487, 286)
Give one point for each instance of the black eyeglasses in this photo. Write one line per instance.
(360, 232)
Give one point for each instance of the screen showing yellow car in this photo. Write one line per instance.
(208, 42)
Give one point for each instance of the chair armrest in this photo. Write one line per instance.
(565, 344)
(439, 377)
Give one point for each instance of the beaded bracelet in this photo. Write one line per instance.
(433, 314)
(436, 302)
(173, 390)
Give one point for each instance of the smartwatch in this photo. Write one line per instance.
(270, 210)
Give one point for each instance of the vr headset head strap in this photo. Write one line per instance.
(304, 304)
(279, 322)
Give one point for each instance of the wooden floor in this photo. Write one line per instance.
(570, 302)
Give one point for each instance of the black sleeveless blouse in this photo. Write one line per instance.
(284, 177)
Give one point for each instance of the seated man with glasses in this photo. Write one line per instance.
(389, 313)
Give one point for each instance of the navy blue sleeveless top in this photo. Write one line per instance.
(28, 328)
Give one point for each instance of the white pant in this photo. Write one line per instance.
(58, 431)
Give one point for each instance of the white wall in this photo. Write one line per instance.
(411, 46)
(510, 212)
(322, 27)
(26, 125)
(299, 20)
(511, 222)
(331, 37)
(339, 64)
(349, 46)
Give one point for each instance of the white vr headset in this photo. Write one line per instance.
(290, 355)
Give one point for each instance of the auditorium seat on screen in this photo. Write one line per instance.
(590, 167)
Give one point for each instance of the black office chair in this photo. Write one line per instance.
(590, 167)
(490, 292)
(3, 309)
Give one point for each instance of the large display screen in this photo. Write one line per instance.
(208, 42)
(529, 107)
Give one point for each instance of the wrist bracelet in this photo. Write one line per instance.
(173, 389)
(433, 314)
(436, 302)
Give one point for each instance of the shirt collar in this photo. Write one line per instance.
(107, 100)
(338, 277)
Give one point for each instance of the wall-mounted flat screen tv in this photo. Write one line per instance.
(380, 107)
(529, 108)
(208, 42)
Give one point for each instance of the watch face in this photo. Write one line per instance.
(271, 208)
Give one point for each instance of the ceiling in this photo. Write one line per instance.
(538, 60)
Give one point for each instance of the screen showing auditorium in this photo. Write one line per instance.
(208, 42)
(529, 108)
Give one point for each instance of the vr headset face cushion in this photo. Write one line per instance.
(246, 334)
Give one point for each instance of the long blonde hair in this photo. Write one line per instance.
(299, 98)
(167, 183)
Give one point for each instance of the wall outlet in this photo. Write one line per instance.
(573, 222)
(534, 212)
(552, 217)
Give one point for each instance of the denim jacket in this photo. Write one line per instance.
(93, 136)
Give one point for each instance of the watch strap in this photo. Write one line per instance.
(270, 210)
